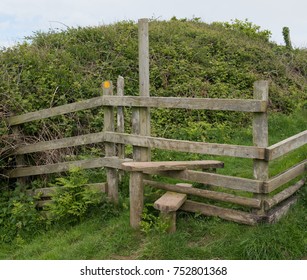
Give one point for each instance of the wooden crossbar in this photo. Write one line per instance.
(171, 165)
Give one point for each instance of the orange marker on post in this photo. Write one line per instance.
(106, 84)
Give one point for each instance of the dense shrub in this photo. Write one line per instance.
(19, 218)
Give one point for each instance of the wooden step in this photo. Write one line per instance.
(168, 204)
(170, 201)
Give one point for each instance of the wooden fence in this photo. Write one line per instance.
(261, 205)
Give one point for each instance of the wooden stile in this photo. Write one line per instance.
(264, 208)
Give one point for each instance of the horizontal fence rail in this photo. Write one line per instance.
(286, 146)
(186, 146)
(146, 141)
(225, 197)
(285, 177)
(56, 111)
(112, 162)
(243, 105)
(227, 214)
(228, 182)
(281, 196)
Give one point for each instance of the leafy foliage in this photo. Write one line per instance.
(152, 222)
(248, 28)
(72, 200)
(19, 218)
(286, 35)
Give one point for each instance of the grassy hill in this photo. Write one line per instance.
(187, 58)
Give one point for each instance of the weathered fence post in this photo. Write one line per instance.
(120, 122)
(141, 116)
(112, 175)
(260, 137)
(136, 193)
(140, 126)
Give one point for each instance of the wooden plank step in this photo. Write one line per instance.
(170, 201)
(171, 165)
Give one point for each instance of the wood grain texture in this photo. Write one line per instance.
(110, 151)
(284, 177)
(261, 138)
(286, 193)
(243, 105)
(112, 162)
(170, 201)
(214, 195)
(153, 166)
(224, 213)
(229, 182)
(186, 146)
(145, 141)
(286, 146)
(275, 214)
(136, 194)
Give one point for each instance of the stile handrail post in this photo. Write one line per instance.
(140, 126)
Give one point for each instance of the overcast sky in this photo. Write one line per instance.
(20, 18)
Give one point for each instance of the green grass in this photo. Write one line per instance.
(197, 237)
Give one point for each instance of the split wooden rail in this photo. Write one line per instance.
(252, 195)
